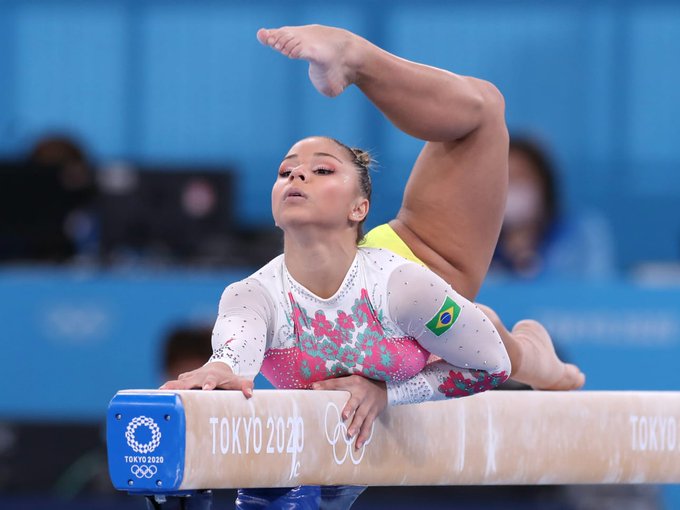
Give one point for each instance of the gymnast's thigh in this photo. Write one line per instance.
(453, 206)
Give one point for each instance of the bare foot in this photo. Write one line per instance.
(532, 355)
(332, 53)
(539, 365)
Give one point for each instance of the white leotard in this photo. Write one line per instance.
(384, 321)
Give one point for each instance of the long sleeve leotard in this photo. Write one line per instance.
(385, 321)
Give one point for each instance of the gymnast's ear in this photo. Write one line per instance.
(359, 210)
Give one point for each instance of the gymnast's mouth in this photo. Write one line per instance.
(294, 193)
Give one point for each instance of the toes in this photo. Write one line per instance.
(268, 36)
(572, 379)
(280, 39)
(288, 42)
(577, 378)
(530, 326)
(263, 35)
(296, 51)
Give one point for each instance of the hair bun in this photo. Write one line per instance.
(362, 157)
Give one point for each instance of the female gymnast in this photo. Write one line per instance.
(388, 318)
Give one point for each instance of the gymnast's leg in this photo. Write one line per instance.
(529, 343)
(453, 202)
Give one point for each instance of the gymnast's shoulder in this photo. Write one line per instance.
(384, 260)
(262, 284)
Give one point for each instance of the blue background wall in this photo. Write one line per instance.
(72, 339)
(186, 81)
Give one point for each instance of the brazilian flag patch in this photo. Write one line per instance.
(445, 317)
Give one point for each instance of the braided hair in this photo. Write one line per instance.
(361, 160)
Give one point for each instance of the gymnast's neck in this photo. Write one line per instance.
(319, 260)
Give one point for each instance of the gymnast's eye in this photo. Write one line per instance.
(284, 173)
(323, 171)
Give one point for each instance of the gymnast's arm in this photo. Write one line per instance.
(239, 339)
(449, 326)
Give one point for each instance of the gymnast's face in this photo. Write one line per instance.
(317, 186)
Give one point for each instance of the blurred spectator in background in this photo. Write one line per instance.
(537, 238)
(186, 348)
(78, 227)
(47, 204)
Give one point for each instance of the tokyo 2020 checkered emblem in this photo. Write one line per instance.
(130, 434)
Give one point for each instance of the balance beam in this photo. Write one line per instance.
(175, 441)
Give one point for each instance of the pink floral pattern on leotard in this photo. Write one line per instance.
(457, 385)
(353, 342)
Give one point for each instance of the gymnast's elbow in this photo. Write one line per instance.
(502, 367)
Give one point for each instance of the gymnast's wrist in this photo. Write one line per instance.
(392, 394)
(223, 361)
(397, 393)
(411, 391)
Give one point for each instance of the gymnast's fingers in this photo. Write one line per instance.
(185, 383)
(366, 430)
(351, 407)
(346, 383)
(358, 420)
(209, 382)
(328, 384)
(247, 387)
(354, 384)
(171, 385)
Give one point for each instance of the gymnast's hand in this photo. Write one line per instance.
(214, 375)
(368, 398)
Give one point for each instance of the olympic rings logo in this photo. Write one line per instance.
(338, 436)
(132, 442)
(143, 471)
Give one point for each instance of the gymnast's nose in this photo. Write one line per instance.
(298, 171)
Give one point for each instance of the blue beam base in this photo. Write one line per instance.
(195, 500)
(146, 437)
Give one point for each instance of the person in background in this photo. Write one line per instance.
(538, 239)
(185, 348)
(75, 234)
